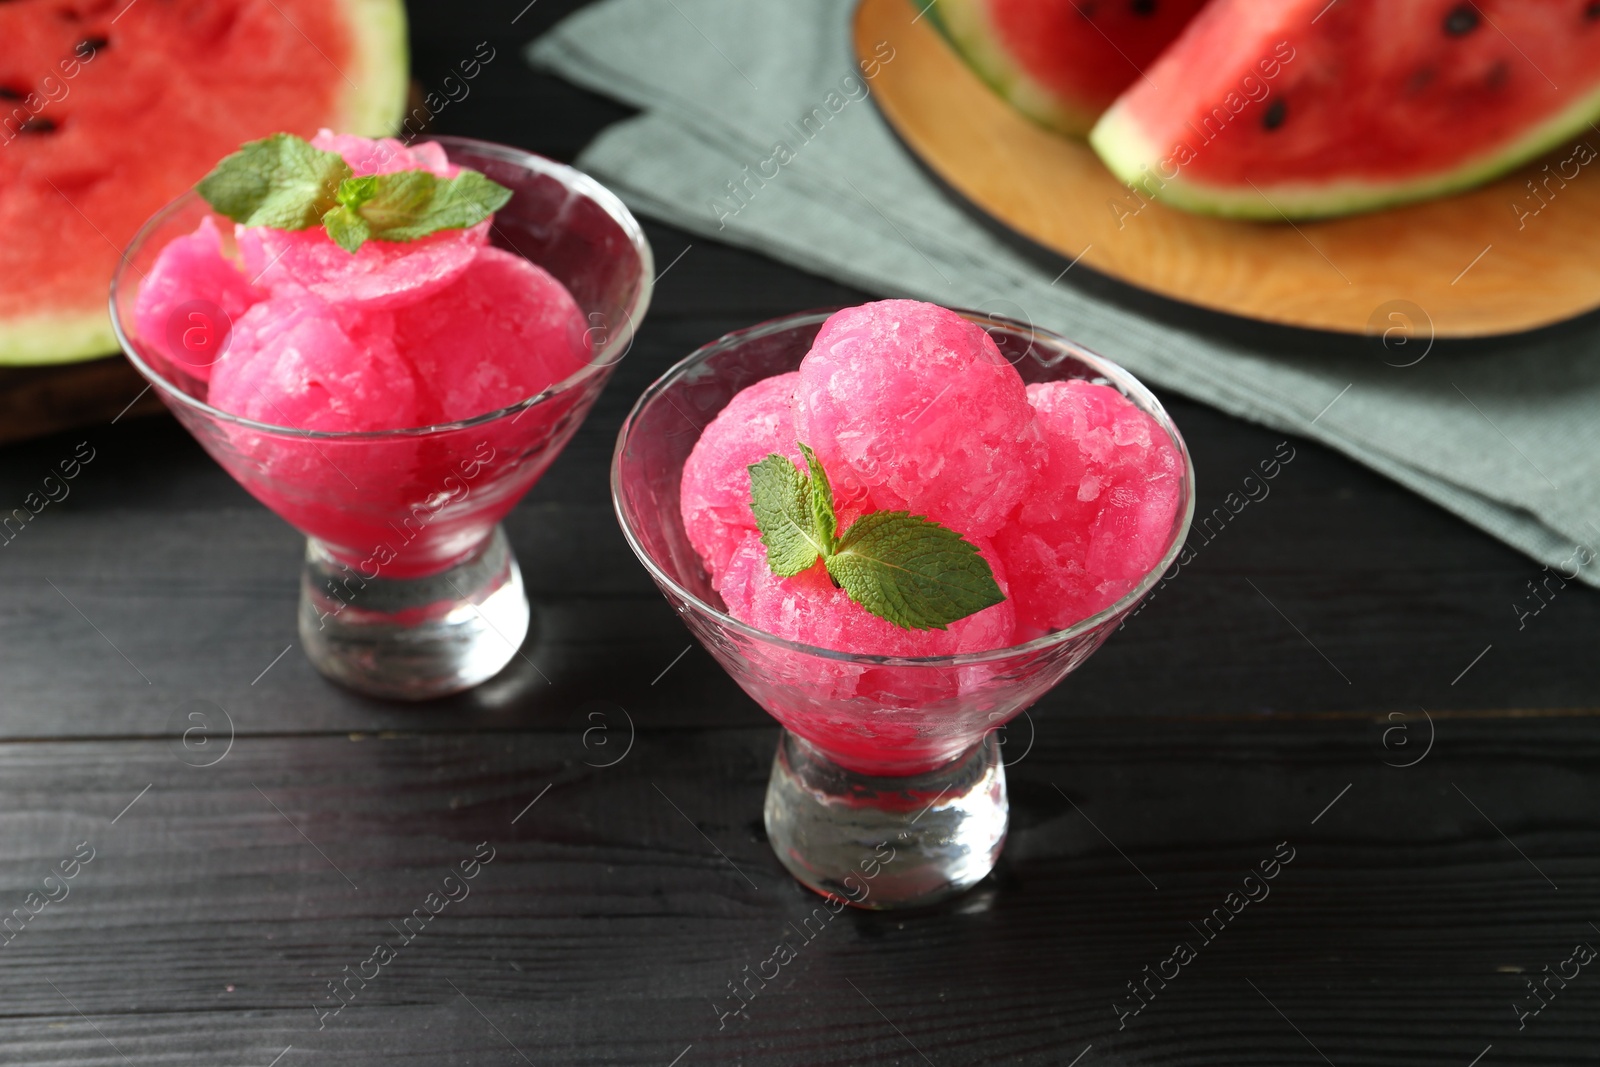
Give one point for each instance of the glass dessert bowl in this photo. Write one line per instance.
(410, 589)
(877, 752)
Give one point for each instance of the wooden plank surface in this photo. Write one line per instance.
(606, 926)
(217, 906)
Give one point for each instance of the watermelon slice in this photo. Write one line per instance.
(1061, 62)
(1306, 108)
(111, 108)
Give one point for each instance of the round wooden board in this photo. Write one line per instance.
(1462, 265)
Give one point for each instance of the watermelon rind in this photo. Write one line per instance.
(373, 103)
(966, 25)
(1129, 154)
(56, 338)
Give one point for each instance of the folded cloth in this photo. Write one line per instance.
(758, 130)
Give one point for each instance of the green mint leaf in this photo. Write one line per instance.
(392, 203)
(465, 200)
(280, 181)
(780, 496)
(823, 518)
(347, 228)
(913, 572)
(353, 192)
(409, 205)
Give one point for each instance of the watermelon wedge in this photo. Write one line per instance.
(1305, 108)
(1061, 62)
(110, 108)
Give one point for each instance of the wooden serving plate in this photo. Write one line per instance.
(35, 401)
(1462, 260)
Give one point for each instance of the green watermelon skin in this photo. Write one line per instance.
(1295, 109)
(110, 113)
(1060, 62)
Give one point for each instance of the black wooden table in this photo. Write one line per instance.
(1339, 684)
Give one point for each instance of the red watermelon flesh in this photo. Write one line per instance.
(1271, 108)
(1063, 61)
(109, 109)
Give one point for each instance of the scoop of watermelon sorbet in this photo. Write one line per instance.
(715, 498)
(1103, 511)
(918, 720)
(296, 361)
(190, 300)
(381, 275)
(504, 330)
(385, 155)
(915, 405)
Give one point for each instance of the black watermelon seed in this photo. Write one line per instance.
(1142, 8)
(1592, 12)
(1462, 20)
(8, 93)
(40, 124)
(93, 44)
(1276, 112)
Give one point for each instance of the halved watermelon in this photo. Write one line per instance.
(110, 108)
(1305, 108)
(1061, 62)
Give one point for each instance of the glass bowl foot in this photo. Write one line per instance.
(413, 638)
(884, 842)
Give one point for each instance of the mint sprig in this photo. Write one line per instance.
(902, 567)
(285, 182)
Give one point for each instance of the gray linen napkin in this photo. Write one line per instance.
(1505, 435)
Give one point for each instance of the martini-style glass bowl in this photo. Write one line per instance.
(887, 788)
(409, 589)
